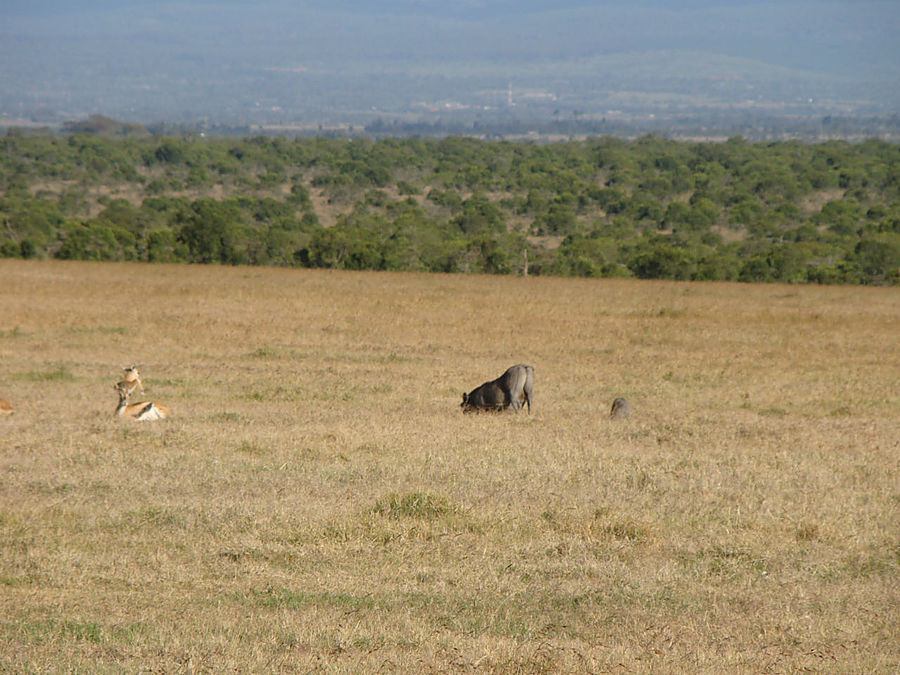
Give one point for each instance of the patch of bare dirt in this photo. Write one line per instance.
(324, 208)
(814, 202)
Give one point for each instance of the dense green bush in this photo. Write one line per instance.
(651, 208)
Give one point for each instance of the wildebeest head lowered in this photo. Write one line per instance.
(513, 389)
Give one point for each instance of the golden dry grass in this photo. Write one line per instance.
(319, 503)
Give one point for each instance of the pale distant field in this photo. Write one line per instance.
(318, 502)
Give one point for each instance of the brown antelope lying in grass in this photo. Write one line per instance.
(6, 407)
(143, 411)
(132, 379)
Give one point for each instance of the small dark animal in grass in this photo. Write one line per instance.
(620, 409)
(513, 389)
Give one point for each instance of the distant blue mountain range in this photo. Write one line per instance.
(156, 56)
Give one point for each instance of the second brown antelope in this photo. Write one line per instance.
(131, 380)
(6, 407)
(140, 412)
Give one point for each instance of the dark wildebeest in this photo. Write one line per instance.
(620, 409)
(513, 389)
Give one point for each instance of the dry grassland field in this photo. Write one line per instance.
(319, 502)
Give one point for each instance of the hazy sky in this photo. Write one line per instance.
(58, 51)
(840, 34)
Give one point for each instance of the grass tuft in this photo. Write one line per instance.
(58, 374)
(628, 530)
(54, 629)
(228, 416)
(412, 505)
(265, 352)
(807, 532)
(253, 449)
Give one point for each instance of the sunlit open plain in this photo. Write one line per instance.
(318, 502)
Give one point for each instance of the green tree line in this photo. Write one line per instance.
(650, 208)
